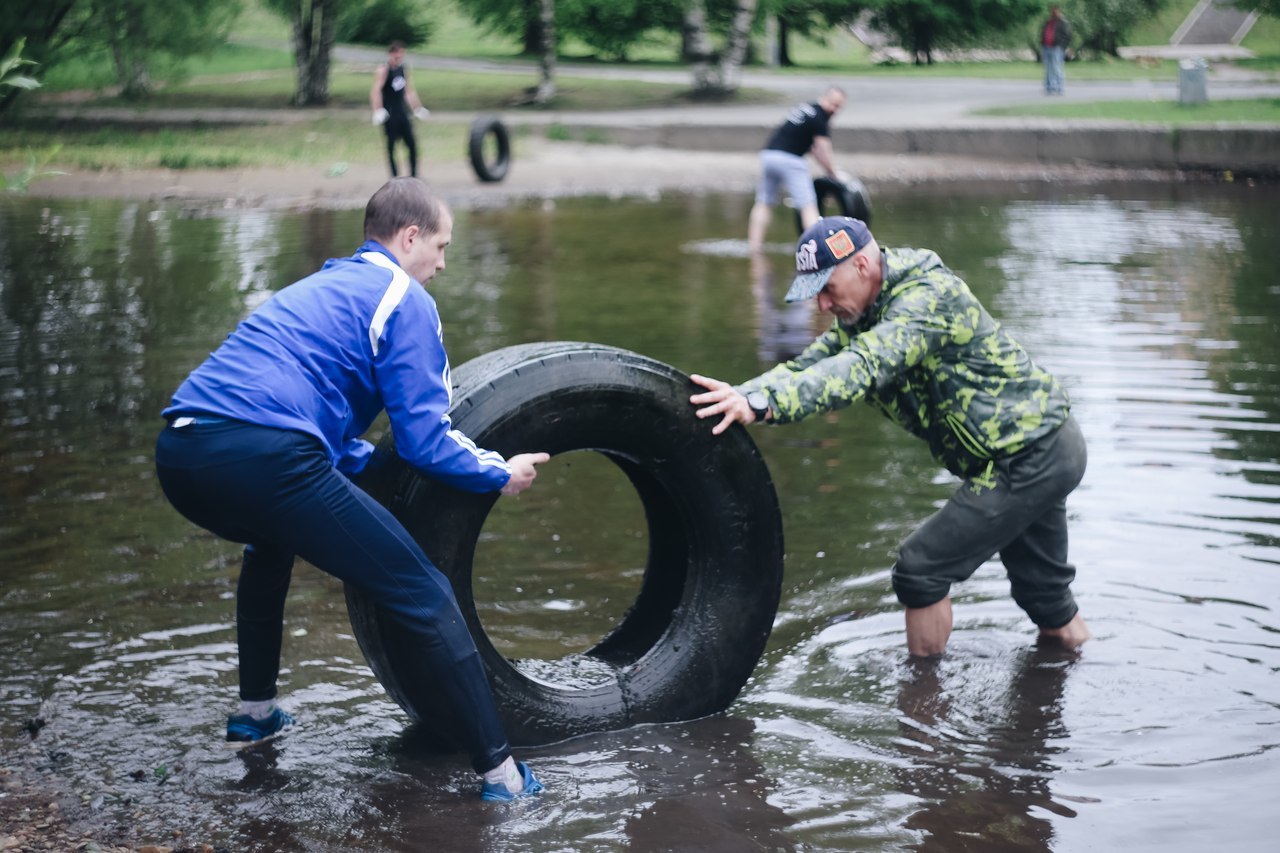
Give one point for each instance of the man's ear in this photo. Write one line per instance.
(863, 262)
(408, 234)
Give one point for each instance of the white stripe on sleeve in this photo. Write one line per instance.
(393, 296)
(490, 458)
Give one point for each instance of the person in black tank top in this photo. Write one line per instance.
(392, 97)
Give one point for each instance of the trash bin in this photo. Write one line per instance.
(1192, 81)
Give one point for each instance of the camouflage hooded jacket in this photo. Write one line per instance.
(929, 356)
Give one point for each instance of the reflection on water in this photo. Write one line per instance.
(983, 763)
(1156, 306)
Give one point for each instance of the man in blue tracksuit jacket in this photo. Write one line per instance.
(263, 438)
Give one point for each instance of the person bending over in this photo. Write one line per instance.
(910, 339)
(263, 440)
(783, 167)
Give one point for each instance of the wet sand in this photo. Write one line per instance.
(541, 169)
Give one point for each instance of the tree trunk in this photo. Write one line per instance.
(547, 62)
(696, 46)
(784, 54)
(313, 23)
(531, 39)
(131, 72)
(735, 50)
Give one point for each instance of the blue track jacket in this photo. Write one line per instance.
(326, 354)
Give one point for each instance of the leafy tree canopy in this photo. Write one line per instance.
(381, 22)
(1102, 26)
(922, 26)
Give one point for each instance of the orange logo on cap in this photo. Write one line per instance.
(840, 245)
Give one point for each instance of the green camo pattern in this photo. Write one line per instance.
(930, 357)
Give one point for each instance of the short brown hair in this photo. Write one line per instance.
(399, 203)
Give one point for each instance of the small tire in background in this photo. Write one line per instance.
(689, 641)
(490, 159)
(836, 198)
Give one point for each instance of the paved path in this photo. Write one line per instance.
(902, 102)
(907, 102)
(1215, 22)
(883, 100)
(885, 114)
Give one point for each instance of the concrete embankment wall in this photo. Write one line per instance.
(1239, 148)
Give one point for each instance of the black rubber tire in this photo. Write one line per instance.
(710, 592)
(496, 169)
(835, 198)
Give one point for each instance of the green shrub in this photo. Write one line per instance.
(381, 22)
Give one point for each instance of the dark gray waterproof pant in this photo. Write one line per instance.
(1022, 517)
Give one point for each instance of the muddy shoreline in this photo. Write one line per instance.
(545, 170)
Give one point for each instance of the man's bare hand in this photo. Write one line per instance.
(721, 399)
(523, 472)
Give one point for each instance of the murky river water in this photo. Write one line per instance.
(1157, 306)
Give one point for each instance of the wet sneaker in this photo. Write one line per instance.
(500, 792)
(242, 728)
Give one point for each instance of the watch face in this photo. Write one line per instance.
(758, 402)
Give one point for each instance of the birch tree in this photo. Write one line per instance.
(313, 23)
(719, 77)
(547, 54)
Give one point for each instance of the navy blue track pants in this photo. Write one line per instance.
(276, 491)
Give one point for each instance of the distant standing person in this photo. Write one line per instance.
(783, 167)
(1054, 39)
(391, 97)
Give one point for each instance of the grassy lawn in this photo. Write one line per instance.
(260, 42)
(1103, 69)
(440, 90)
(1263, 40)
(255, 71)
(1159, 28)
(1158, 112)
(94, 72)
(326, 142)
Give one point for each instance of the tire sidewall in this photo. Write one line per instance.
(495, 170)
(717, 505)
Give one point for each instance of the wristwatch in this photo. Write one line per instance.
(759, 404)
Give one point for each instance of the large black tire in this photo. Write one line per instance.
(713, 578)
(836, 198)
(486, 169)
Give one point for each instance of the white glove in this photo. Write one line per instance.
(380, 115)
(421, 113)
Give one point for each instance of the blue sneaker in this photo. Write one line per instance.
(243, 728)
(501, 793)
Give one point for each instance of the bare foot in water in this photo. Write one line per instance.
(1071, 635)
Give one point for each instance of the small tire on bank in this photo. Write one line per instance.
(711, 586)
(489, 169)
(837, 198)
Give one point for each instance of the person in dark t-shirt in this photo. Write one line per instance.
(783, 167)
(391, 98)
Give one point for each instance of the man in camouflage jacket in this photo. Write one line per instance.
(911, 339)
